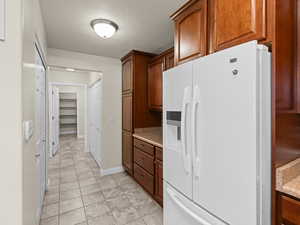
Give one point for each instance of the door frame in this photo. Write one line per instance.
(96, 82)
(39, 51)
(85, 86)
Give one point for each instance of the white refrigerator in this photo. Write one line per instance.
(217, 139)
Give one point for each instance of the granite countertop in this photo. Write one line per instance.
(152, 135)
(288, 178)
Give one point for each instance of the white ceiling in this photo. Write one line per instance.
(144, 25)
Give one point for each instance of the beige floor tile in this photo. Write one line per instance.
(66, 195)
(87, 181)
(50, 221)
(96, 209)
(53, 189)
(103, 220)
(71, 204)
(129, 186)
(85, 175)
(69, 186)
(107, 182)
(92, 198)
(50, 210)
(68, 179)
(112, 193)
(73, 217)
(148, 208)
(90, 189)
(137, 222)
(154, 219)
(118, 202)
(138, 196)
(53, 182)
(51, 198)
(125, 215)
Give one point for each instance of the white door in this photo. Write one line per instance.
(54, 120)
(94, 118)
(41, 129)
(177, 99)
(225, 153)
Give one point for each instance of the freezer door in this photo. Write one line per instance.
(225, 135)
(182, 211)
(177, 103)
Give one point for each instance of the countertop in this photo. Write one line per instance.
(152, 135)
(288, 178)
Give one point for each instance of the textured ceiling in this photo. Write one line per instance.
(144, 25)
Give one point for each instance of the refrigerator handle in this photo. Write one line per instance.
(196, 159)
(177, 201)
(184, 152)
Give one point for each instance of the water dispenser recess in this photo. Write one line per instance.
(174, 119)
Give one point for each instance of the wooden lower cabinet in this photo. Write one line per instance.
(144, 160)
(288, 210)
(158, 193)
(148, 168)
(144, 178)
(127, 151)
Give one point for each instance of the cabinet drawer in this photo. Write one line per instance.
(159, 153)
(144, 146)
(290, 210)
(144, 178)
(144, 160)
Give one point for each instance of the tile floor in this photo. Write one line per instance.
(78, 195)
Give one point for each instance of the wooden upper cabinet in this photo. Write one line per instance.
(127, 76)
(190, 31)
(236, 21)
(169, 60)
(155, 71)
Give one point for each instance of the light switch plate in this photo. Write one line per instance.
(28, 129)
(2, 20)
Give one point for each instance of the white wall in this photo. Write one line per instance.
(11, 117)
(112, 103)
(33, 27)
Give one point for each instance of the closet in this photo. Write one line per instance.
(67, 113)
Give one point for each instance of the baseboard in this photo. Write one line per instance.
(110, 171)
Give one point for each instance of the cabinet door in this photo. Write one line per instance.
(169, 61)
(127, 112)
(159, 181)
(155, 85)
(127, 76)
(289, 212)
(237, 21)
(191, 32)
(127, 151)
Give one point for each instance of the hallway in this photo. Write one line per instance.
(78, 195)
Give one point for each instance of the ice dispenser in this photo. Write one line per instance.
(174, 119)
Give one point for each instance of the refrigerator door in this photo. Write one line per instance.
(226, 133)
(177, 105)
(182, 211)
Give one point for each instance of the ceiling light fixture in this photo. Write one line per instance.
(104, 28)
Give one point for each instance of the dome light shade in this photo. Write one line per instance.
(104, 28)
